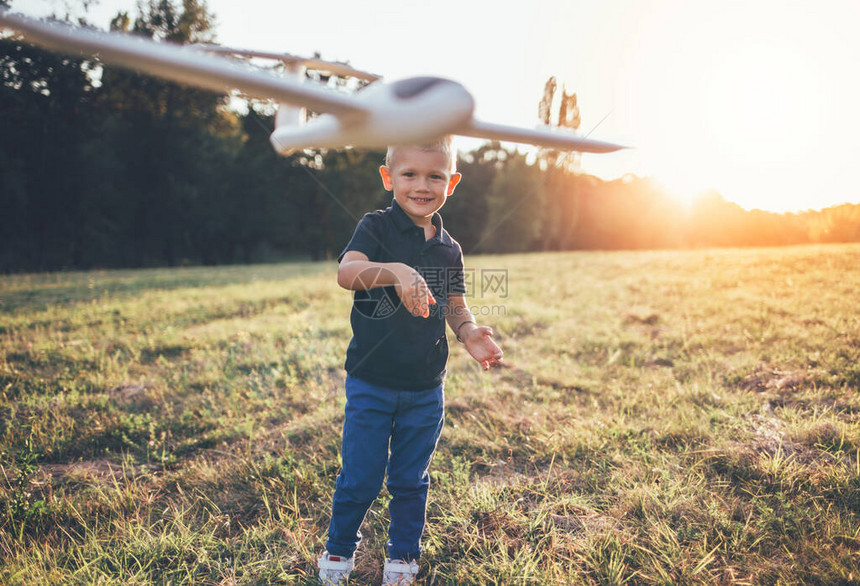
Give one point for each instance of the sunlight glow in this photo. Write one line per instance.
(757, 107)
(753, 100)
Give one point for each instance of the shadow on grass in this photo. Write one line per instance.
(39, 292)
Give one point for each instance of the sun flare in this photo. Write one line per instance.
(762, 106)
(756, 101)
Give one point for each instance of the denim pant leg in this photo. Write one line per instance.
(417, 427)
(366, 431)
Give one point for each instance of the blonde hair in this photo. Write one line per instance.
(444, 145)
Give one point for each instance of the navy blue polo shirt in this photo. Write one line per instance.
(390, 347)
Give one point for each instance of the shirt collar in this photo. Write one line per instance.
(403, 223)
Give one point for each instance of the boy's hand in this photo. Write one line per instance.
(414, 291)
(480, 344)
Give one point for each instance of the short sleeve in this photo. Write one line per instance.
(456, 275)
(366, 238)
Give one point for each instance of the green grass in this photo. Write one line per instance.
(665, 418)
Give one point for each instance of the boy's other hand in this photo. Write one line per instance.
(414, 292)
(480, 344)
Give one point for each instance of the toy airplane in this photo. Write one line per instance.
(410, 111)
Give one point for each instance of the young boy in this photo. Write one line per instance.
(407, 274)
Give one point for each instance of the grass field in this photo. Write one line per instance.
(666, 418)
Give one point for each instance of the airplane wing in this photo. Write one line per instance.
(543, 137)
(185, 67)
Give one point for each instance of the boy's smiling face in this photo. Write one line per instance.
(421, 181)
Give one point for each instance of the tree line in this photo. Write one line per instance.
(102, 167)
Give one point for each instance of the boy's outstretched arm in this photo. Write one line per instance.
(477, 339)
(357, 273)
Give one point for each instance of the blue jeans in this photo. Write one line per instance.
(407, 422)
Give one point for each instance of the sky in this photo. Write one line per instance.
(757, 99)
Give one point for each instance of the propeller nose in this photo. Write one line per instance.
(442, 102)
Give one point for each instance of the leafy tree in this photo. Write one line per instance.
(467, 211)
(172, 147)
(545, 104)
(347, 186)
(568, 111)
(515, 201)
(44, 101)
(836, 224)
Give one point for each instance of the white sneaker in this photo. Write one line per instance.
(399, 573)
(334, 569)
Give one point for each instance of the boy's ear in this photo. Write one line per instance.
(453, 181)
(385, 173)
